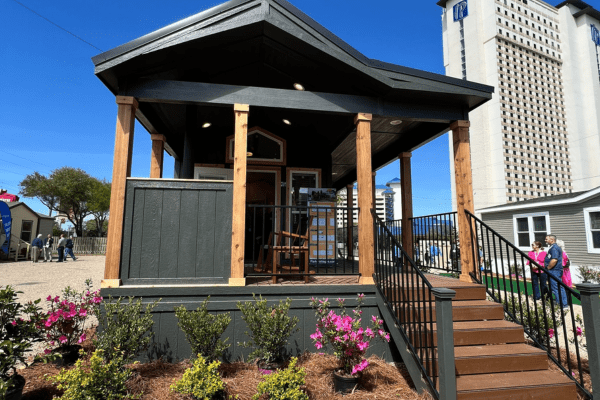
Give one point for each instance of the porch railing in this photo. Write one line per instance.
(548, 317)
(291, 241)
(435, 238)
(409, 296)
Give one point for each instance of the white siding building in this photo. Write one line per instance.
(540, 134)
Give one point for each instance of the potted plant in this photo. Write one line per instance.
(65, 322)
(18, 331)
(348, 339)
(270, 330)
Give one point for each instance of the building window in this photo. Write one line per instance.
(530, 227)
(26, 229)
(592, 228)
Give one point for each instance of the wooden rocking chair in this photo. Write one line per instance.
(299, 252)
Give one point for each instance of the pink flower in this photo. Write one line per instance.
(49, 298)
(318, 345)
(56, 299)
(81, 338)
(361, 296)
(381, 332)
(97, 300)
(360, 366)
(579, 331)
(374, 318)
(551, 333)
(47, 351)
(62, 339)
(387, 337)
(48, 323)
(317, 335)
(369, 333)
(14, 323)
(362, 346)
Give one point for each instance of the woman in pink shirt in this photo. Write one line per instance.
(538, 277)
(566, 275)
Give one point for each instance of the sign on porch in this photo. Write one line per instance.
(322, 215)
(461, 10)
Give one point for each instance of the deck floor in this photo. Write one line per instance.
(313, 280)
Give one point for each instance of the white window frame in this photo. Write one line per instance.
(588, 229)
(529, 217)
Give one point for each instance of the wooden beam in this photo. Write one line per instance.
(121, 171)
(239, 195)
(366, 246)
(178, 92)
(350, 221)
(464, 195)
(406, 198)
(156, 159)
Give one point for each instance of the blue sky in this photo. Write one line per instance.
(54, 112)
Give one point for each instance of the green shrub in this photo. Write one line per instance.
(203, 330)
(283, 385)
(589, 274)
(99, 380)
(270, 328)
(201, 380)
(516, 269)
(123, 329)
(541, 326)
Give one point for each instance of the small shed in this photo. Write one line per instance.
(26, 225)
(573, 218)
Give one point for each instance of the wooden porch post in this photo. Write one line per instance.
(239, 195)
(121, 171)
(156, 160)
(406, 198)
(364, 174)
(350, 220)
(464, 195)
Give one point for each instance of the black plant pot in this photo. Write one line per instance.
(69, 355)
(272, 366)
(16, 392)
(344, 384)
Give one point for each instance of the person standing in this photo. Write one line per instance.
(48, 242)
(36, 246)
(434, 251)
(538, 277)
(61, 247)
(566, 263)
(553, 262)
(69, 249)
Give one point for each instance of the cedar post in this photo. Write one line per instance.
(239, 195)
(121, 171)
(366, 246)
(156, 159)
(464, 195)
(350, 220)
(406, 198)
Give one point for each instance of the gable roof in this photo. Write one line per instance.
(549, 201)
(14, 204)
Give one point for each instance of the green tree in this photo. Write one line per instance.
(91, 231)
(99, 205)
(66, 190)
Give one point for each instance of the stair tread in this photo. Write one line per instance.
(481, 325)
(511, 380)
(496, 350)
(465, 304)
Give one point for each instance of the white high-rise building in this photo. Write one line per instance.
(384, 204)
(540, 133)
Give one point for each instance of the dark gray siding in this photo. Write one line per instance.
(170, 343)
(176, 232)
(566, 222)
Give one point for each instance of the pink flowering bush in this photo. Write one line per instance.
(65, 319)
(345, 334)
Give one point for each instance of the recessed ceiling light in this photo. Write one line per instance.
(285, 121)
(396, 122)
(206, 124)
(298, 86)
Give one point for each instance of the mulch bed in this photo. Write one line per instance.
(380, 381)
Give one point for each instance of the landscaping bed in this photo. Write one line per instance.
(153, 380)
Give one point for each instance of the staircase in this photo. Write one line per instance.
(491, 357)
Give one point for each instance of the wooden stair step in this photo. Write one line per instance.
(474, 333)
(476, 292)
(466, 310)
(543, 385)
(489, 359)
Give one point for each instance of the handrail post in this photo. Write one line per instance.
(590, 304)
(445, 342)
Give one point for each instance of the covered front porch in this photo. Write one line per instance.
(282, 106)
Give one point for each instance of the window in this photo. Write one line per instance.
(531, 227)
(26, 228)
(592, 228)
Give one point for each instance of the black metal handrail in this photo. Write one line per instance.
(407, 292)
(289, 236)
(503, 268)
(435, 238)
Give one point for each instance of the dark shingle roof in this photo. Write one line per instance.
(583, 6)
(557, 197)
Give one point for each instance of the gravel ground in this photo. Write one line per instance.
(49, 278)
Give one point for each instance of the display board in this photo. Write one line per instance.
(322, 231)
